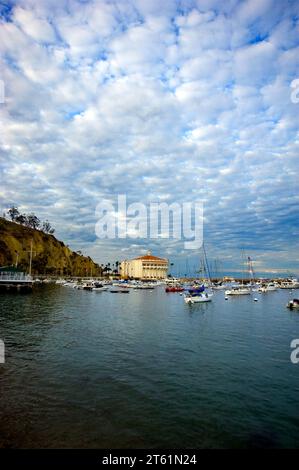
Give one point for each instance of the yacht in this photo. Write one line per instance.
(268, 287)
(239, 290)
(293, 284)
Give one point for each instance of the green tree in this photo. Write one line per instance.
(21, 219)
(13, 213)
(47, 228)
(33, 221)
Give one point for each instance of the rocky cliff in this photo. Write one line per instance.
(50, 256)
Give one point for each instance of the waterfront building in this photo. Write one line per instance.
(144, 267)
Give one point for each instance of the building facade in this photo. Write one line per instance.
(144, 267)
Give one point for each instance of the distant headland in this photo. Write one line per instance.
(50, 256)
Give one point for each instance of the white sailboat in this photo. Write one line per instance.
(241, 289)
(199, 295)
(197, 298)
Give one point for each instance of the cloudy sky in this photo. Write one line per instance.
(162, 101)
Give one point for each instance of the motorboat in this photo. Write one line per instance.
(98, 287)
(293, 304)
(271, 287)
(294, 284)
(145, 285)
(239, 290)
(69, 284)
(87, 286)
(174, 289)
(268, 288)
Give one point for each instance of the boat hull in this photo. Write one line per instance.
(237, 292)
(293, 304)
(196, 299)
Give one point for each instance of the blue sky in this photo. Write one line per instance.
(168, 101)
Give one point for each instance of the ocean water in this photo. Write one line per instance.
(145, 370)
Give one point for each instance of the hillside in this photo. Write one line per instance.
(50, 256)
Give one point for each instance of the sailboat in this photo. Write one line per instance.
(199, 294)
(241, 289)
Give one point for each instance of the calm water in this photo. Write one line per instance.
(87, 369)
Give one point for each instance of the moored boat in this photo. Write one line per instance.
(174, 289)
(197, 296)
(98, 287)
(271, 287)
(219, 286)
(240, 290)
(289, 285)
(87, 286)
(293, 304)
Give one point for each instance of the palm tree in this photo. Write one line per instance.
(117, 265)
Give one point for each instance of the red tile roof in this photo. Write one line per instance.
(152, 258)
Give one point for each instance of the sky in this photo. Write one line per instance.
(173, 101)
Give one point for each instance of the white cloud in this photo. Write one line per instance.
(159, 101)
(37, 28)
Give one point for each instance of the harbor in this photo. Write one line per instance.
(95, 370)
(149, 269)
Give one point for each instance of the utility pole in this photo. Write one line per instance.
(31, 255)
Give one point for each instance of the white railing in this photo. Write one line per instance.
(13, 277)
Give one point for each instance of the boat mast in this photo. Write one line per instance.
(250, 268)
(244, 266)
(206, 262)
(30, 262)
